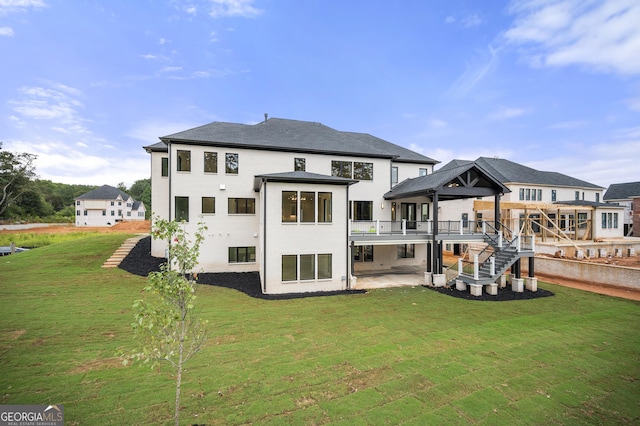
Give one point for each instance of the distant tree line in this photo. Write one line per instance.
(27, 198)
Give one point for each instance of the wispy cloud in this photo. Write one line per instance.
(468, 21)
(568, 125)
(238, 8)
(634, 104)
(6, 31)
(506, 113)
(603, 36)
(477, 69)
(12, 6)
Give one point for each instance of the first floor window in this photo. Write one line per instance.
(113, 213)
(182, 209)
(77, 212)
(242, 254)
(140, 214)
(86, 213)
(610, 220)
(208, 205)
(299, 164)
(363, 253)
(128, 214)
(582, 220)
(242, 206)
(406, 251)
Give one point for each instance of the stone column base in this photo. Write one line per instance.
(517, 285)
(427, 279)
(492, 289)
(531, 283)
(461, 285)
(502, 281)
(439, 280)
(476, 289)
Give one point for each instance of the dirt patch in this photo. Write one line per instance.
(13, 335)
(127, 227)
(98, 364)
(629, 262)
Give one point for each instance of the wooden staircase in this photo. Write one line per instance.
(118, 256)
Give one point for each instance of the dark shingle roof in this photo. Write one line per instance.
(301, 177)
(105, 192)
(509, 172)
(294, 136)
(622, 191)
(156, 147)
(136, 205)
(438, 179)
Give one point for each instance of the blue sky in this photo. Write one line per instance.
(552, 84)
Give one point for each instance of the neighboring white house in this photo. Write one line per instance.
(106, 206)
(624, 194)
(549, 205)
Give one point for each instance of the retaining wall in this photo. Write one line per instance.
(593, 273)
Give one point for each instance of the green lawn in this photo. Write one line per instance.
(402, 355)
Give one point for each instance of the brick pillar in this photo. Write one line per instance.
(635, 211)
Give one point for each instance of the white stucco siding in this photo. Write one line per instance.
(295, 239)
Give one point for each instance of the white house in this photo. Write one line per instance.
(550, 205)
(106, 206)
(310, 207)
(624, 194)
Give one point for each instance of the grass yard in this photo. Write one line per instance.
(391, 356)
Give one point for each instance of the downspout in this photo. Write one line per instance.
(264, 240)
(349, 253)
(170, 177)
(435, 264)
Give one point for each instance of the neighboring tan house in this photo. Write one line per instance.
(628, 196)
(312, 208)
(106, 206)
(550, 205)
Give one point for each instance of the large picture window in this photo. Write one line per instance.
(242, 206)
(242, 254)
(211, 162)
(324, 207)
(182, 208)
(184, 161)
(307, 266)
(324, 266)
(231, 165)
(406, 251)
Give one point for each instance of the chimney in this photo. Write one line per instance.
(266, 116)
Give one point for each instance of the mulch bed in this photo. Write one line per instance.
(140, 262)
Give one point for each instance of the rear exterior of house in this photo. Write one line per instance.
(282, 198)
(106, 206)
(626, 195)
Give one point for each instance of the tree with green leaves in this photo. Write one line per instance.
(167, 325)
(17, 170)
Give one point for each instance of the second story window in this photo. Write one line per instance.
(394, 176)
(422, 172)
(362, 171)
(299, 164)
(208, 205)
(577, 195)
(211, 162)
(553, 196)
(184, 161)
(165, 167)
(341, 169)
(231, 163)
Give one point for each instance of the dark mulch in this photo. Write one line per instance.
(140, 262)
(504, 294)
